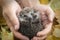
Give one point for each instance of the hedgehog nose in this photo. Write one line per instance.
(34, 16)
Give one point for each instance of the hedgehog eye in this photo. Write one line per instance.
(25, 15)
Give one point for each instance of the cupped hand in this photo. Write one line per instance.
(46, 12)
(10, 13)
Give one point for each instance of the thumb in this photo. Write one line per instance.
(15, 22)
(44, 32)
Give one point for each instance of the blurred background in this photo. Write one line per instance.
(5, 33)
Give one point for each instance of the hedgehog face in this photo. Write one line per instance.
(29, 15)
(30, 22)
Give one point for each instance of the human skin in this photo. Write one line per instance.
(44, 9)
(11, 10)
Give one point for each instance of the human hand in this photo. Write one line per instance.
(39, 38)
(45, 10)
(42, 34)
(26, 38)
(18, 34)
(10, 13)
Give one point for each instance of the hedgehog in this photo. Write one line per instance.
(30, 22)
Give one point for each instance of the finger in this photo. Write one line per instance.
(17, 14)
(8, 23)
(7, 20)
(12, 13)
(50, 13)
(43, 37)
(36, 38)
(13, 19)
(18, 11)
(45, 31)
